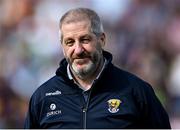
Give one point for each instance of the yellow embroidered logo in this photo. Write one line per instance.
(114, 105)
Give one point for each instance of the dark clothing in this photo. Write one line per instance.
(117, 99)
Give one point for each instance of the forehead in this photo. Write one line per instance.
(74, 29)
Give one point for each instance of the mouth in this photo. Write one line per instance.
(81, 61)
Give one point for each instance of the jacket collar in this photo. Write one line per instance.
(62, 70)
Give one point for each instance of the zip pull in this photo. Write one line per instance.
(84, 110)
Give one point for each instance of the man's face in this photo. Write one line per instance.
(82, 48)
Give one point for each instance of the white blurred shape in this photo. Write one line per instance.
(174, 83)
(111, 10)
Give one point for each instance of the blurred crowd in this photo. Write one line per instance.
(143, 36)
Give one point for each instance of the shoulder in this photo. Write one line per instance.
(125, 75)
(130, 80)
(131, 83)
(49, 87)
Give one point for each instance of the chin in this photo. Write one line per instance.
(85, 70)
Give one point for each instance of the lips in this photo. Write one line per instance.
(81, 61)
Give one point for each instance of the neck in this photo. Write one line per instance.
(86, 83)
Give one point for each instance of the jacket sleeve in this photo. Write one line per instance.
(153, 115)
(31, 121)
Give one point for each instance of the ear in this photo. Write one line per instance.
(102, 39)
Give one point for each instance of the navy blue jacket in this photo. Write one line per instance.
(117, 99)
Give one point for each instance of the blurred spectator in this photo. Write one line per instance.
(12, 107)
(174, 90)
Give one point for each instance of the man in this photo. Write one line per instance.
(88, 91)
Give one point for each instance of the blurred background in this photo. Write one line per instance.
(143, 36)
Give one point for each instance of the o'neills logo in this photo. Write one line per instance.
(53, 93)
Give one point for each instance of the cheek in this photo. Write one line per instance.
(97, 49)
(90, 47)
(67, 52)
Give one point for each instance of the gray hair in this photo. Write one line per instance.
(80, 14)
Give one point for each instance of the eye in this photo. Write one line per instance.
(85, 40)
(69, 42)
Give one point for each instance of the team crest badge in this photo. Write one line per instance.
(114, 105)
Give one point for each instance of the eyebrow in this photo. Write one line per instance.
(86, 35)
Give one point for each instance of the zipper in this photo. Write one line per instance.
(84, 117)
(85, 108)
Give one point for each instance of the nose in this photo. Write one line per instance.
(78, 49)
